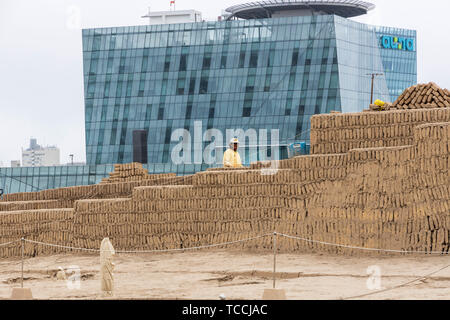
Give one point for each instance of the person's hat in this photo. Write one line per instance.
(234, 141)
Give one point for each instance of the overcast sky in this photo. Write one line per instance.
(41, 72)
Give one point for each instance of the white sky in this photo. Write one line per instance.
(41, 72)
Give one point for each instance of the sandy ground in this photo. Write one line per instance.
(236, 274)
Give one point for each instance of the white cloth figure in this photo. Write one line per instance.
(107, 266)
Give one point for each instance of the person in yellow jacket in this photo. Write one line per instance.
(231, 158)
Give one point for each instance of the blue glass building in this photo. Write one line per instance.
(398, 48)
(269, 66)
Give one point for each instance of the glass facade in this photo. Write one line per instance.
(399, 63)
(252, 75)
(244, 74)
(28, 179)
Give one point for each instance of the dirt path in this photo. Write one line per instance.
(238, 275)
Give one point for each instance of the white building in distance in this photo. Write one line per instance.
(168, 17)
(15, 163)
(38, 156)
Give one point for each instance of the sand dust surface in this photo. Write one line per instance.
(235, 273)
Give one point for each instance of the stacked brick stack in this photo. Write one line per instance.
(35, 205)
(431, 188)
(340, 133)
(132, 172)
(220, 206)
(386, 107)
(392, 198)
(367, 208)
(372, 207)
(99, 191)
(427, 96)
(310, 168)
(50, 226)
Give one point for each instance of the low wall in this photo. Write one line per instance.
(340, 133)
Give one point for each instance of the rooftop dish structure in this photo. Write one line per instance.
(287, 8)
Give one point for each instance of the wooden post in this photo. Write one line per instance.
(23, 241)
(373, 75)
(274, 257)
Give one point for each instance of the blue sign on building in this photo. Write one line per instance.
(390, 42)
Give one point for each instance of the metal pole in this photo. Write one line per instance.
(373, 75)
(23, 241)
(274, 257)
(371, 91)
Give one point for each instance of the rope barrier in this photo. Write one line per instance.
(357, 248)
(199, 247)
(396, 287)
(232, 242)
(152, 251)
(60, 246)
(8, 243)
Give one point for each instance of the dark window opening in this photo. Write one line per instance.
(112, 140)
(299, 126)
(317, 110)
(183, 62)
(207, 62)
(192, 86)
(123, 135)
(294, 58)
(246, 112)
(161, 114)
(210, 124)
(188, 111)
(223, 62)
(254, 60)
(203, 86)
(301, 110)
(180, 86)
(241, 60)
(167, 137)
